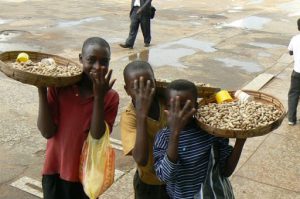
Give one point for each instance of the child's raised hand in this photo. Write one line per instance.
(101, 80)
(178, 117)
(144, 93)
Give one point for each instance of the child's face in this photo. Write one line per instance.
(184, 96)
(95, 56)
(129, 81)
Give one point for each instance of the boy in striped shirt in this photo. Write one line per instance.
(182, 150)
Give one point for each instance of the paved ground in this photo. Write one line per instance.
(224, 43)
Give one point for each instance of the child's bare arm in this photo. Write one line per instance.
(101, 84)
(233, 159)
(45, 121)
(143, 99)
(177, 119)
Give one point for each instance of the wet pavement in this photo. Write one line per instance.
(223, 43)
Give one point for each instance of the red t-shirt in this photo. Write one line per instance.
(72, 114)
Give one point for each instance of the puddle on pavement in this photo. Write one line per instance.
(265, 45)
(192, 43)
(64, 24)
(255, 1)
(248, 66)
(170, 53)
(252, 22)
(238, 8)
(169, 57)
(6, 35)
(235, 9)
(263, 54)
(294, 14)
(4, 21)
(195, 23)
(292, 6)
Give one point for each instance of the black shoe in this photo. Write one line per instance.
(146, 45)
(126, 46)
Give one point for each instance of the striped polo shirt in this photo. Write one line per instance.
(184, 178)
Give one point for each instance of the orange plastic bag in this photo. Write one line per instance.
(97, 165)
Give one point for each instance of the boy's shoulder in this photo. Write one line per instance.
(111, 97)
(129, 109)
(113, 93)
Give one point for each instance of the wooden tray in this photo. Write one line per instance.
(259, 97)
(203, 91)
(36, 79)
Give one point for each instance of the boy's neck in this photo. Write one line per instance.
(191, 123)
(154, 111)
(85, 86)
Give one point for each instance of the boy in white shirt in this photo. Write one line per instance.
(294, 92)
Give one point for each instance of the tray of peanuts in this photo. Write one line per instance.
(241, 114)
(40, 69)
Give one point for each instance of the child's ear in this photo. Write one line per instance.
(80, 58)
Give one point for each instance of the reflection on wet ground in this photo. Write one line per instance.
(3, 21)
(265, 45)
(6, 35)
(292, 6)
(64, 24)
(263, 54)
(169, 54)
(247, 66)
(252, 22)
(255, 1)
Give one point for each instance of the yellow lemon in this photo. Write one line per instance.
(223, 96)
(23, 57)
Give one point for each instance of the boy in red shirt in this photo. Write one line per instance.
(66, 116)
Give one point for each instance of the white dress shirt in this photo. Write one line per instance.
(295, 47)
(137, 3)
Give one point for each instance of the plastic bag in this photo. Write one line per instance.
(97, 165)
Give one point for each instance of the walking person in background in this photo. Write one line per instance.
(140, 14)
(294, 92)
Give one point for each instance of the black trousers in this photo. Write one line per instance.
(146, 191)
(56, 188)
(293, 96)
(135, 21)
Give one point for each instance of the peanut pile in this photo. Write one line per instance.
(48, 67)
(237, 115)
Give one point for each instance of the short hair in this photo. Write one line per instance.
(184, 85)
(95, 41)
(137, 66)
